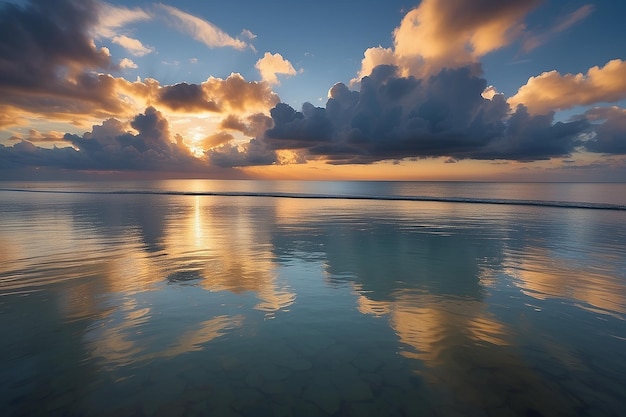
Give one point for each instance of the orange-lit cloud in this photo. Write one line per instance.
(449, 34)
(36, 136)
(552, 91)
(201, 30)
(273, 64)
(134, 46)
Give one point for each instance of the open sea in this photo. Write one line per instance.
(292, 298)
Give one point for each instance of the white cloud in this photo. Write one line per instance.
(114, 17)
(247, 34)
(127, 63)
(134, 46)
(201, 30)
(273, 64)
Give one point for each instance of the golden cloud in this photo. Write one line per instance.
(552, 91)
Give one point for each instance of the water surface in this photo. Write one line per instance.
(173, 298)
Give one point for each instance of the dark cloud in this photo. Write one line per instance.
(394, 117)
(610, 134)
(254, 152)
(108, 146)
(188, 97)
(43, 35)
(112, 146)
(216, 139)
(252, 126)
(531, 138)
(48, 61)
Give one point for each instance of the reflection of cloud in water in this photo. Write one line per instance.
(121, 340)
(541, 276)
(429, 324)
(228, 245)
(466, 354)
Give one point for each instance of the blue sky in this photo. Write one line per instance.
(459, 89)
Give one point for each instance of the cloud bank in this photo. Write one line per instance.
(423, 97)
(394, 117)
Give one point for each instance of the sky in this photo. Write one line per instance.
(522, 90)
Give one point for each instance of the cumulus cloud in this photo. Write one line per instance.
(233, 94)
(610, 134)
(252, 126)
(201, 30)
(553, 91)
(41, 36)
(49, 64)
(394, 117)
(273, 64)
(112, 145)
(449, 34)
(134, 46)
(216, 139)
(51, 68)
(127, 63)
(254, 152)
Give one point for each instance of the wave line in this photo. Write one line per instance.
(436, 199)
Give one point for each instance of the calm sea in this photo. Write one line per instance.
(261, 298)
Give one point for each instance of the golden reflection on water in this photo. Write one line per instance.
(207, 246)
(542, 276)
(431, 324)
(466, 350)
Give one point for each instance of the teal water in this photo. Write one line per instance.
(231, 299)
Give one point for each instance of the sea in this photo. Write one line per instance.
(312, 298)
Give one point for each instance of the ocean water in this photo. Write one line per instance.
(261, 298)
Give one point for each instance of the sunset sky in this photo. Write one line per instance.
(431, 90)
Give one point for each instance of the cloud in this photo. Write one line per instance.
(201, 30)
(233, 94)
(34, 136)
(553, 91)
(273, 64)
(49, 66)
(394, 117)
(111, 18)
(610, 135)
(254, 152)
(127, 63)
(533, 40)
(248, 34)
(449, 34)
(112, 145)
(535, 137)
(253, 125)
(134, 46)
(216, 139)
(187, 97)
(42, 36)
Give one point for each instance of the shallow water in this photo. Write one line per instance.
(165, 304)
